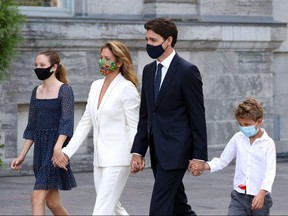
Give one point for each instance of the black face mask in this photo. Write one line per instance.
(43, 73)
(155, 51)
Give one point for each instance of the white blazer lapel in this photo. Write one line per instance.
(97, 95)
(108, 91)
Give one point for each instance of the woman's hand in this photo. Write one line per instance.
(59, 159)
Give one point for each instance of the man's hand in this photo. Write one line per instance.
(196, 167)
(137, 163)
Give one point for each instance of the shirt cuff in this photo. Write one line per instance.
(137, 154)
(198, 159)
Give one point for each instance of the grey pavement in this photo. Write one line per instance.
(208, 194)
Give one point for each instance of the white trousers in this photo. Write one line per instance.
(109, 184)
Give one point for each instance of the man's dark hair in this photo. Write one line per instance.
(164, 27)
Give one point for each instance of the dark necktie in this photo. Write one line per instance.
(157, 81)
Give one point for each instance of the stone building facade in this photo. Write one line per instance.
(240, 47)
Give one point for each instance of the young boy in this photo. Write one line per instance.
(255, 167)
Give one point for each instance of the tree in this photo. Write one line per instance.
(1, 162)
(11, 22)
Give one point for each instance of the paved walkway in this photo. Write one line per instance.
(208, 194)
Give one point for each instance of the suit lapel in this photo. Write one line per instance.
(96, 93)
(168, 78)
(108, 91)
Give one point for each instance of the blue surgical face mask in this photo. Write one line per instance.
(249, 131)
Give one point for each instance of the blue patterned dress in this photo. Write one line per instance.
(47, 119)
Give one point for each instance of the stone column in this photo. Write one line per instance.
(176, 9)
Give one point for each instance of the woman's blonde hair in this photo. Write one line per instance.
(54, 58)
(122, 54)
(249, 109)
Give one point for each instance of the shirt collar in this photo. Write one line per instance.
(166, 62)
(263, 137)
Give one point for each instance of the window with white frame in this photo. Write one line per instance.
(46, 7)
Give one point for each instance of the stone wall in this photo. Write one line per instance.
(238, 8)
(238, 46)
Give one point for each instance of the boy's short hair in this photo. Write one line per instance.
(251, 108)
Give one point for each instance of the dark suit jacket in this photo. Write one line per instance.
(177, 120)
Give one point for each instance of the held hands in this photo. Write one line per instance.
(137, 163)
(60, 159)
(196, 167)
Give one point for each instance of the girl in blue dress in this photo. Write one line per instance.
(50, 127)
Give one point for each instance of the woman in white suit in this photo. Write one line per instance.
(113, 111)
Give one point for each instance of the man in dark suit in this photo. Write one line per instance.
(172, 120)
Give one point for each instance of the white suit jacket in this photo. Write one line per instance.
(114, 123)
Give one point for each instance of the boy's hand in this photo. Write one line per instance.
(258, 200)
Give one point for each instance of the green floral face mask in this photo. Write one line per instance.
(106, 66)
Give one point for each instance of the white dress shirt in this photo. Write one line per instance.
(166, 63)
(255, 163)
